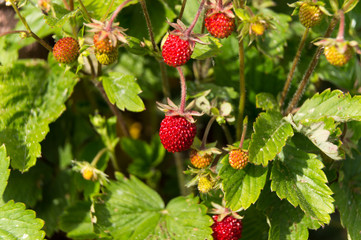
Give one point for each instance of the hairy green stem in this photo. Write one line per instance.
(149, 24)
(242, 90)
(182, 9)
(206, 132)
(183, 90)
(85, 11)
(311, 68)
(108, 11)
(71, 5)
(243, 132)
(36, 37)
(13, 32)
(293, 68)
(115, 14)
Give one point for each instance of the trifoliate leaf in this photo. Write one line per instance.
(242, 187)
(271, 132)
(266, 101)
(297, 176)
(129, 209)
(4, 171)
(18, 223)
(123, 91)
(336, 105)
(32, 95)
(76, 221)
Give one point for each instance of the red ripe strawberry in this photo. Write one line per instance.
(310, 14)
(177, 133)
(66, 50)
(176, 52)
(229, 228)
(238, 158)
(219, 19)
(200, 161)
(219, 25)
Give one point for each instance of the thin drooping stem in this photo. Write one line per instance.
(341, 28)
(311, 68)
(293, 68)
(206, 132)
(183, 90)
(36, 37)
(190, 28)
(13, 32)
(243, 132)
(115, 14)
(182, 9)
(98, 156)
(85, 11)
(149, 24)
(242, 90)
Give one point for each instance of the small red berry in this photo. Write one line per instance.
(229, 228)
(66, 50)
(176, 133)
(238, 158)
(103, 44)
(176, 51)
(219, 25)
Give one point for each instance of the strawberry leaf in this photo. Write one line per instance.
(32, 96)
(254, 225)
(98, 9)
(297, 176)
(76, 221)
(123, 91)
(336, 105)
(286, 221)
(204, 51)
(242, 187)
(129, 209)
(266, 101)
(4, 171)
(271, 132)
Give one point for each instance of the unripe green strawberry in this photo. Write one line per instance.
(200, 161)
(337, 58)
(205, 184)
(258, 28)
(219, 25)
(310, 15)
(66, 50)
(238, 158)
(107, 58)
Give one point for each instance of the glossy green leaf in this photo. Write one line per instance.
(129, 209)
(76, 221)
(18, 223)
(4, 171)
(123, 91)
(266, 101)
(270, 134)
(286, 222)
(204, 51)
(32, 95)
(298, 177)
(336, 105)
(242, 187)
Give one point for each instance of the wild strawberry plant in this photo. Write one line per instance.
(209, 119)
